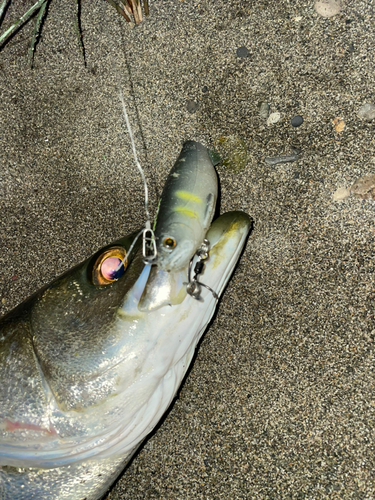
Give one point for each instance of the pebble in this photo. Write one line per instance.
(339, 124)
(296, 121)
(264, 110)
(328, 8)
(340, 194)
(364, 187)
(192, 106)
(273, 118)
(367, 112)
(242, 52)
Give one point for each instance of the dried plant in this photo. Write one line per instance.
(130, 10)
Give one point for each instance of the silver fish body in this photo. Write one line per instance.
(86, 373)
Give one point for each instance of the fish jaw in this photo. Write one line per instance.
(163, 289)
(153, 355)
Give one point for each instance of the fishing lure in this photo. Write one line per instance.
(186, 207)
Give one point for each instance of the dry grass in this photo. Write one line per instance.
(130, 10)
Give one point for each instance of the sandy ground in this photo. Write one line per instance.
(280, 401)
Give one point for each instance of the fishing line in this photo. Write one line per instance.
(135, 153)
(148, 237)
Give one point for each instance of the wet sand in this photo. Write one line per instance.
(280, 401)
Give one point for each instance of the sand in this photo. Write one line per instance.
(280, 401)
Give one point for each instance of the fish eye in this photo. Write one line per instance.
(109, 266)
(169, 243)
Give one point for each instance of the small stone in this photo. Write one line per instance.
(205, 89)
(364, 187)
(367, 112)
(339, 124)
(340, 194)
(328, 8)
(192, 106)
(242, 52)
(296, 121)
(273, 118)
(264, 110)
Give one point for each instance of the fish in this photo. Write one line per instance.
(86, 371)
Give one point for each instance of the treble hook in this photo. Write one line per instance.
(194, 287)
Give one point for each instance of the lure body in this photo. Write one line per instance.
(86, 373)
(186, 207)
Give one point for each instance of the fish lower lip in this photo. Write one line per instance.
(163, 288)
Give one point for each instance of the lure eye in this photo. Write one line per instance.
(108, 266)
(169, 243)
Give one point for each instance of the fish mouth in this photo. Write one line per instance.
(168, 288)
(227, 237)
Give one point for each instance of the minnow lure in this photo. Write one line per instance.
(185, 213)
(186, 207)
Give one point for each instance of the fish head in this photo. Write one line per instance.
(100, 370)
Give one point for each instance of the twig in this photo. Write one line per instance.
(36, 33)
(78, 27)
(119, 9)
(127, 8)
(283, 159)
(131, 8)
(2, 8)
(21, 20)
(139, 10)
(133, 5)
